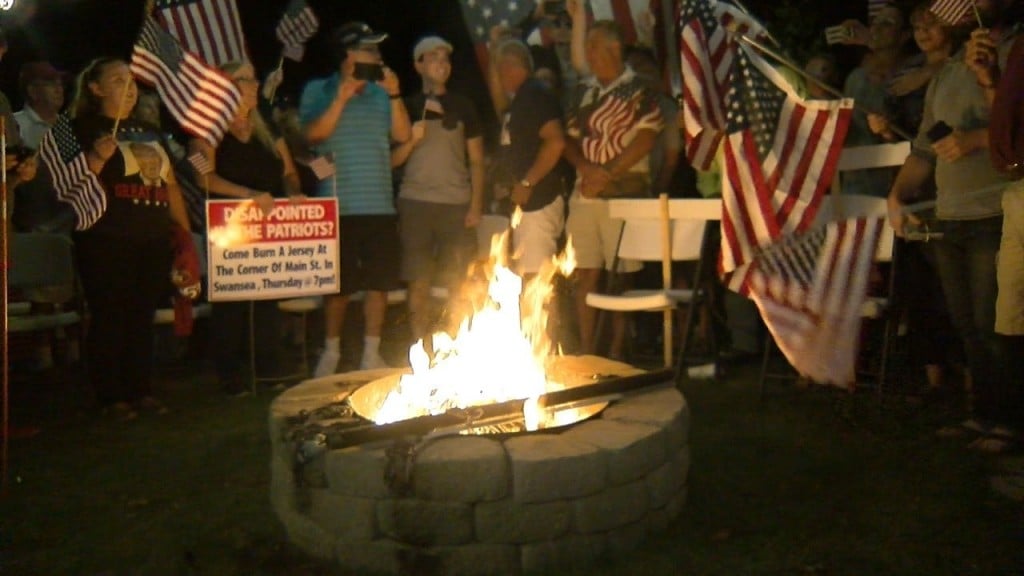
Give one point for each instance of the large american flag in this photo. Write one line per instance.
(202, 99)
(482, 15)
(810, 289)
(779, 157)
(707, 49)
(208, 28)
(73, 181)
(298, 24)
(952, 12)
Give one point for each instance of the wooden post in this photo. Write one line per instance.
(666, 274)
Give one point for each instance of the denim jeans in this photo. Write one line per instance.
(966, 262)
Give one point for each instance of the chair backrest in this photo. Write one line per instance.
(641, 231)
(490, 226)
(43, 261)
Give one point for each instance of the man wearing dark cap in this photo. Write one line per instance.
(355, 115)
(42, 88)
(36, 205)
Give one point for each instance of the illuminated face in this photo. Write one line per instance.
(604, 55)
(886, 29)
(248, 85)
(110, 86)
(435, 66)
(47, 93)
(929, 33)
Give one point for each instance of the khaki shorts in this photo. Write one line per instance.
(1010, 266)
(595, 235)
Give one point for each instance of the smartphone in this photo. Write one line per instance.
(938, 131)
(368, 71)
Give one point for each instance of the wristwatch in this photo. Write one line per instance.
(525, 183)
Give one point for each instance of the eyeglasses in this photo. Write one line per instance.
(245, 80)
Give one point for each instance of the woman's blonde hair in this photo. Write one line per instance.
(84, 102)
(259, 125)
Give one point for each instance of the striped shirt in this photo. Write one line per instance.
(360, 146)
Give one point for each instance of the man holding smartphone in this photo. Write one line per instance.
(356, 114)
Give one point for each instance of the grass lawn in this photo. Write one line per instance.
(801, 482)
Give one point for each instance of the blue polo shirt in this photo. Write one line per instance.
(360, 146)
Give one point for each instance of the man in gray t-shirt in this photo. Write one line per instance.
(441, 194)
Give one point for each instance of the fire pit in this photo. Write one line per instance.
(503, 503)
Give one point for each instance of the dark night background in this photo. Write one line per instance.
(69, 33)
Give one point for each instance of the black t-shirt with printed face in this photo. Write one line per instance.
(533, 107)
(134, 178)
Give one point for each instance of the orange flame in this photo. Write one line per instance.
(499, 353)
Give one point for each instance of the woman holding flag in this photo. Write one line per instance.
(250, 163)
(125, 214)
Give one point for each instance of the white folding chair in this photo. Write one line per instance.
(689, 223)
(42, 268)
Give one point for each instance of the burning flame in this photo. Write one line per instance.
(497, 354)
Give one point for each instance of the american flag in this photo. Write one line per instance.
(810, 289)
(780, 155)
(875, 6)
(482, 15)
(707, 51)
(952, 12)
(73, 181)
(201, 98)
(322, 167)
(200, 163)
(298, 24)
(208, 28)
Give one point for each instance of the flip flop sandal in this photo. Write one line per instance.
(991, 445)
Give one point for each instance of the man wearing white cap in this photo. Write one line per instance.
(441, 194)
(355, 115)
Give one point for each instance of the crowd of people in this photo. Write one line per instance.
(583, 117)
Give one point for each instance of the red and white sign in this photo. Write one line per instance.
(290, 252)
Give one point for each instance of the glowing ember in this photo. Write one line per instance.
(497, 354)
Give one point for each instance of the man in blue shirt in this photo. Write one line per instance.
(354, 115)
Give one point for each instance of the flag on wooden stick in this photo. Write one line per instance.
(779, 158)
(952, 12)
(298, 24)
(201, 98)
(210, 29)
(74, 182)
(707, 48)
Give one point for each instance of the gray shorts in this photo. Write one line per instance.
(436, 244)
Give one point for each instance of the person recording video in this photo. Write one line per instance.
(355, 115)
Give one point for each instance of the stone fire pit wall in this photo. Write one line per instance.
(486, 504)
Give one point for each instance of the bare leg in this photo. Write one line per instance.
(374, 307)
(334, 315)
(419, 308)
(586, 282)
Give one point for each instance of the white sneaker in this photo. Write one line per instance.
(327, 365)
(373, 362)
